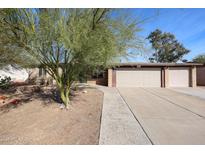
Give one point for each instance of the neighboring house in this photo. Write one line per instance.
(19, 74)
(16, 73)
(200, 75)
(153, 75)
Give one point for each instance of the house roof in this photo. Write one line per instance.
(133, 64)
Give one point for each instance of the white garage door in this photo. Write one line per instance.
(179, 77)
(146, 77)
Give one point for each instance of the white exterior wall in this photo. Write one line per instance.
(17, 74)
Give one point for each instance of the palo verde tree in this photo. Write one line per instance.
(167, 48)
(67, 42)
(10, 53)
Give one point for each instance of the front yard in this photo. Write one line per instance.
(41, 121)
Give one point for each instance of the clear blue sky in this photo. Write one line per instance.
(188, 25)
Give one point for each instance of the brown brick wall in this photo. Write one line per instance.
(110, 77)
(100, 81)
(193, 77)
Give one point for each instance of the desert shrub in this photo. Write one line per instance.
(5, 82)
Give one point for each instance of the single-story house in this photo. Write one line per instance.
(141, 75)
(153, 75)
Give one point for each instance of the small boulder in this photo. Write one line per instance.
(85, 91)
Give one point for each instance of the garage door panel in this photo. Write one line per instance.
(139, 78)
(179, 77)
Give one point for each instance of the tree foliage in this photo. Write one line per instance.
(199, 59)
(67, 42)
(167, 48)
(10, 52)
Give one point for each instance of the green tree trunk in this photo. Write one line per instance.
(64, 94)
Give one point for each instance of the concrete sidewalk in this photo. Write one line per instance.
(118, 125)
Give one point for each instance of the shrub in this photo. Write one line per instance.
(5, 82)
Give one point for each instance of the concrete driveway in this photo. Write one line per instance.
(198, 91)
(167, 116)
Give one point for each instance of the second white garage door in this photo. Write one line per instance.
(179, 77)
(146, 77)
